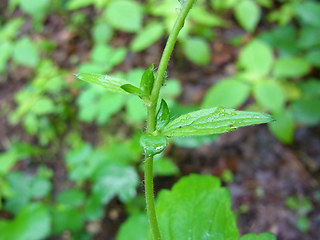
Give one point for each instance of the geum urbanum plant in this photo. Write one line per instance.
(197, 207)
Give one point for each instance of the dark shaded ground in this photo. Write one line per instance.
(258, 161)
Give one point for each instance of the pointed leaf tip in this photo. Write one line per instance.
(163, 115)
(112, 84)
(147, 80)
(129, 88)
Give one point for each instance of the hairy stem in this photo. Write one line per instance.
(151, 114)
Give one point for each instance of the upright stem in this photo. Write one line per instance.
(151, 113)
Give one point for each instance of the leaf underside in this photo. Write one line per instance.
(213, 121)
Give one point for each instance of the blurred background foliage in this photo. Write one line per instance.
(70, 160)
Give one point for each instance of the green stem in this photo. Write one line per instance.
(151, 114)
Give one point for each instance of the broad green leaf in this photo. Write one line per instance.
(283, 126)
(311, 88)
(26, 53)
(6, 49)
(112, 84)
(256, 57)
(197, 50)
(306, 111)
(76, 4)
(129, 88)
(101, 32)
(15, 153)
(164, 167)
(135, 110)
(10, 30)
(313, 57)
(146, 37)
(72, 198)
(36, 9)
(303, 224)
(228, 92)
(171, 89)
(270, 95)
(153, 145)
(101, 53)
(43, 105)
(223, 4)
(291, 67)
(261, 236)
(213, 121)
(283, 38)
(163, 115)
(113, 180)
(66, 219)
(32, 223)
(94, 209)
(124, 15)
(203, 17)
(308, 38)
(309, 12)
(147, 80)
(39, 187)
(248, 14)
(25, 187)
(135, 227)
(93, 101)
(196, 208)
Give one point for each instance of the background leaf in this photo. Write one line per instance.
(135, 227)
(197, 50)
(26, 53)
(229, 92)
(32, 223)
(146, 37)
(125, 15)
(196, 208)
(270, 95)
(291, 67)
(256, 57)
(248, 14)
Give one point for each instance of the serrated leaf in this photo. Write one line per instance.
(213, 121)
(261, 236)
(113, 84)
(147, 81)
(196, 208)
(163, 115)
(153, 145)
(129, 88)
(248, 14)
